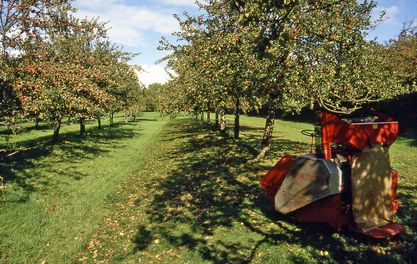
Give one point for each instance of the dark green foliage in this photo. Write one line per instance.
(152, 96)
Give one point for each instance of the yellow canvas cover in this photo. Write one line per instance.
(371, 188)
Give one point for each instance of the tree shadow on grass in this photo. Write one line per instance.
(143, 119)
(411, 136)
(142, 238)
(407, 213)
(71, 149)
(212, 204)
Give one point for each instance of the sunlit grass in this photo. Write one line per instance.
(58, 195)
(174, 191)
(206, 207)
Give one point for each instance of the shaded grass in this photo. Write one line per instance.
(57, 195)
(198, 201)
(182, 194)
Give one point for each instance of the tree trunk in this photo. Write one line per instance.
(217, 118)
(57, 127)
(126, 117)
(111, 118)
(208, 118)
(237, 118)
(99, 121)
(82, 126)
(222, 121)
(37, 120)
(267, 136)
(208, 114)
(134, 117)
(202, 116)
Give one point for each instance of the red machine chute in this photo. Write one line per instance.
(348, 181)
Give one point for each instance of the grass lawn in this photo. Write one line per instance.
(159, 191)
(57, 196)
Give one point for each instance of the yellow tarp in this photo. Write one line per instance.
(371, 188)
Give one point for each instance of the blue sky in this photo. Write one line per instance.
(397, 13)
(139, 25)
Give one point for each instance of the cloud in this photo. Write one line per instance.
(180, 2)
(153, 74)
(390, 15)
(94, 3)
(128, 23)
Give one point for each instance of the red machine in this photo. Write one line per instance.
(348, 181)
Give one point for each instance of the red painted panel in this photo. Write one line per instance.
(394, 175)
(271, 182)
(388, 230)
(328, 210)
(356, 135)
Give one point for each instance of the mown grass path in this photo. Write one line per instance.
(174, 191)
(58, 195)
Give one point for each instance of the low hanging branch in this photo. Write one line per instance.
(12, 152)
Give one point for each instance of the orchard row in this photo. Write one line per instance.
(54, 64)
(284, 56)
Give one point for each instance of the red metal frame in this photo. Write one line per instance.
(329, 210)
(394, 176)
(354, 136)
(271, 182)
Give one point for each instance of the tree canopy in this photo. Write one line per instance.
(54, 64)
(279, 55)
